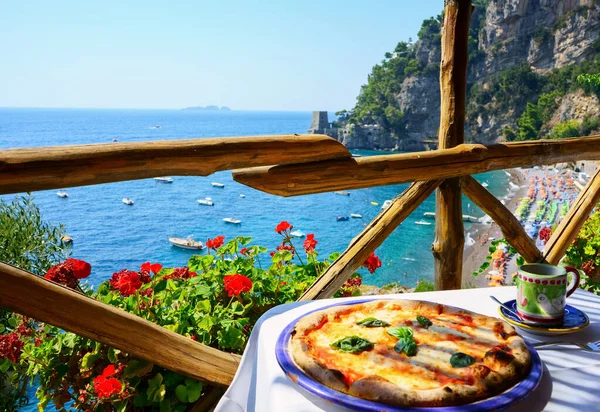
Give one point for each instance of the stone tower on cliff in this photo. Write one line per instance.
(319, 123)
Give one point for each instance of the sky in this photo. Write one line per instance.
(247, 55)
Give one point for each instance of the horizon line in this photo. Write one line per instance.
(148, 108)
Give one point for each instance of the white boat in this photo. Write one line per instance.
(513, 186)
(205, 202)
(242, 195)
(485, 184)
(485, 219)
(187, 243)
(429, 215)
(342, 192)
(356, 155)
(164, 179)
(469, 218)
(386, 204)
(208, 198)
(62, 194)
(217, 184)
(232, 220)
(507, 174)
(422, 222)
(356, 215)
(127, 201)
(297, 233)
(408, 259)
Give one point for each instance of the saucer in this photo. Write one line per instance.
(575, 320)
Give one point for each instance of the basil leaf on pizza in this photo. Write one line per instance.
(352, 344)
(401, 332)
(406, 345)
(372, 323)
(461, 360)
(423, 321)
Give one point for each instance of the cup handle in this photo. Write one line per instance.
(574, 283)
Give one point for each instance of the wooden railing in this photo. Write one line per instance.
(291, 165)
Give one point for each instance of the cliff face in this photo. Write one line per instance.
(540, 35)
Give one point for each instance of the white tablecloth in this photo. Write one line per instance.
(571, 380)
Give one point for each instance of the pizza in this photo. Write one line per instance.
(409, 353)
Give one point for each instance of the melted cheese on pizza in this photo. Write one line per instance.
(430, 368)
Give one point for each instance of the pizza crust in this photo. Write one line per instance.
(502, 366)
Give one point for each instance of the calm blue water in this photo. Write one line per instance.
(112, 236)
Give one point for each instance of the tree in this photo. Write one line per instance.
(33, 245)
(529, 123)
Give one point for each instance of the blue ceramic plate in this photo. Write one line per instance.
(506, 399)
(575, 320)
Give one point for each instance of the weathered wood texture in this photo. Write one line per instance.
(54, 167)
(368, 240)
(511, 228)
(449, 240)
(571, 224)
(465, 159)
(33, 296)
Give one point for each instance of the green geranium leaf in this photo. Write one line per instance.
(423, 321)
(372, 323)
(401, 332)
(352, 344)
(4, 365)
(12, 322)
(160, 286)
(461, 360)
(2, 328)
(406, 345)
(181, 393)
(112, 355)
(88, 359)
(137, 367)
(156, 389)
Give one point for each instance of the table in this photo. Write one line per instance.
(571, 380)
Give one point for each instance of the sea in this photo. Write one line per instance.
(113, 236)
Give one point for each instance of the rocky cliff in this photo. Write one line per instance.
(520, 51)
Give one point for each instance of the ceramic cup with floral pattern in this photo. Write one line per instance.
(542, 291)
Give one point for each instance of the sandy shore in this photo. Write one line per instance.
(475, 255)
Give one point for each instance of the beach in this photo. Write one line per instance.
(548, 185)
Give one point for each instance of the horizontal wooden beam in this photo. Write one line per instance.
(368, 240)
(571, 224)
(41, 168)
(35, 297)
(511, 228)
(465, 159)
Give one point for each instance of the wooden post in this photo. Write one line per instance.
(511, 228)
(38, 298)
(449, 231)
(569, 227)
(368, 240)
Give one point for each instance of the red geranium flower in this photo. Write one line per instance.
(69, 272)
(310, 243)
(181, 274)
(372, 263)
(215, 243)
(236, 284)
(283, 226)
(11, 347)
(105, 386)
(151, 267)
(126, 282)
(243, 250)
(545, 234)
(80, 268)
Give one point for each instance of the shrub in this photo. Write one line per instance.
(569, 128)
(216, 299)
(584, 253)
(589, 125)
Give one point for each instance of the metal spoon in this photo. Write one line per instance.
(507, 308)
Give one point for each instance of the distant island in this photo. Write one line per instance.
(209, 108)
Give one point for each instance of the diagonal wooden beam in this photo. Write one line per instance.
(24, 170)
(571, 224)
(35, 297)
(511, 227)
(462, 160)
(368, 240)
